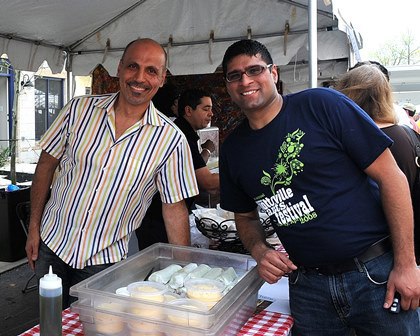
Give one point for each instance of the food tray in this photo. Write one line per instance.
(97, 301)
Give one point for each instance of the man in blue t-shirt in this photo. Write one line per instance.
(318, 166)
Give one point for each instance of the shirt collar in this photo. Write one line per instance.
(151, 115)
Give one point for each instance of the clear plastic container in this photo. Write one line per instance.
(106, 323)
(143, 329)
(147, 291)
(187, 316)
(207, 291)
(225, 318)
(169, 296)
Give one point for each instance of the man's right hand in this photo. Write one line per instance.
(272, 265)
(32, 247)
(208, 144)
(40, 189)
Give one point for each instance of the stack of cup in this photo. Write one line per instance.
(188, 317)
(207, 291)
(108, 323)
(146, 291)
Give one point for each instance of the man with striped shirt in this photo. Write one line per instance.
(104, 158)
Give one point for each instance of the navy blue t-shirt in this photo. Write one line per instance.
(305, 170)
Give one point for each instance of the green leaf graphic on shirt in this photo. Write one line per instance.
(287, 164)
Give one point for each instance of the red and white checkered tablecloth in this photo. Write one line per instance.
(265, 323)
(71, 325)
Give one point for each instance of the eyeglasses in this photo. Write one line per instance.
(252, 71)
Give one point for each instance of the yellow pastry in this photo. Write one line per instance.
(108, 324)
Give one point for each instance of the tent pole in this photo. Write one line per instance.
(69, 77)
(313, 45)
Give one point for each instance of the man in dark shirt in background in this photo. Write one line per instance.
(194, 113)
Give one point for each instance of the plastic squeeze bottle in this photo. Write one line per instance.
(50, 298)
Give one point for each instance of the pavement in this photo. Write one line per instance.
(18, 311)
(6, 266)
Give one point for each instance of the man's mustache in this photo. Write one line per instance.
(139, 85)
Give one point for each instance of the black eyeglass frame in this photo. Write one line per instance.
(241, 73)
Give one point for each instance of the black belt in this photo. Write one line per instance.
(375, 250)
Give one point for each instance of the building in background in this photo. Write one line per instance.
(405, 81)
(40, 96)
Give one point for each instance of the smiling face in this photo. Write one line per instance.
(141, 73)
(252, 94)
(199, 117)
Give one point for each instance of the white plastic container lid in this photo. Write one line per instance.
(147, 290)
(50, 281)
(204, 289)
(122, 291)
(189, 304)
(169, 296)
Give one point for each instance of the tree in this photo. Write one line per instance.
(402, 51)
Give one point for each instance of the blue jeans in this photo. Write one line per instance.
(349, 302)
(69, 275)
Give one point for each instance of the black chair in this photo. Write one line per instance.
(23, 211)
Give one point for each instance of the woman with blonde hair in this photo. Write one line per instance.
(368, 87)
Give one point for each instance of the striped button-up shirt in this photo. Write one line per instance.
(103, 186)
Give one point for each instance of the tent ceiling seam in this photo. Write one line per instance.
(198, 42)
(26, 40)
(106, 24)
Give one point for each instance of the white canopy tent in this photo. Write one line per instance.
(195, 33)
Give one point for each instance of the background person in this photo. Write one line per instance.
(368, 87)
(194, 113)
(166, 100)
(410, 109)
(113, 152)
(402, 117)
(417, 118)
(308, 160)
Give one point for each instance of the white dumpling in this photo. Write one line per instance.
(164, 275)
(199, 272)
(229, 275)
(214, 273)
(178, 278)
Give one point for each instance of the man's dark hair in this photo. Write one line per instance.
(190, 98)
(246, 47)
(379, 65)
